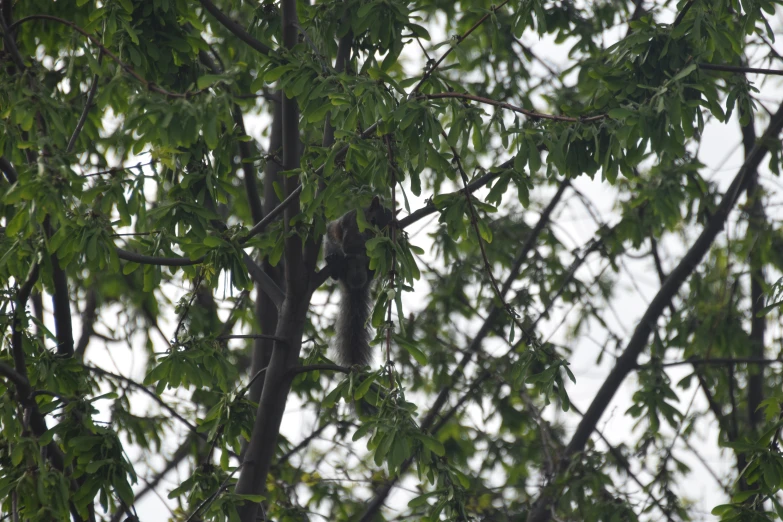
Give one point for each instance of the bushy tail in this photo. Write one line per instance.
(353, 333)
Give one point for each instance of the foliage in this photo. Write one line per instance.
(136, 194)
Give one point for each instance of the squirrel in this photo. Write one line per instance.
(345, 251)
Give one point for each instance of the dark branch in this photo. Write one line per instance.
(20, 303)
(429, 420)
(681, 14)
(87, 105)
(738, 69)
(460, 39)
(264, 281)
(10, 44)
(476, 184)
(627, 361)
(19, 380)
(503, 105)
(716, 361)
(160, 261)
(8, 170)
(88, 323)
(235, 28)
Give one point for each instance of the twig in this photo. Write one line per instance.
(622, 461)
(514, 108)
(717, 361)
(143, 259)
(430, 208)
(429, 420)
(283, 459)
(117, 169)
(196, 286)
(393, 267)
(207, 501)
(487, 265)
(459, 39)
(155, 397)
(87, 105)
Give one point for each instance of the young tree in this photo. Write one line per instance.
(137, 208)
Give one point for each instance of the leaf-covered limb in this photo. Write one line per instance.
(430, 419)
(688, 263)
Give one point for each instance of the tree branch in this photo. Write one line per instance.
(681, 14)
(460, 39)
(20, 303)
(19, 380)
(430, 208)
(143, 259)
(738, 69)
(88, 322)
(260, 452)
(87, 105)
(627, 361)
(235, 28)
(265, 282)
(757, 222)
(503, 105)
(375, 505)
(8, 170)
(717, 361)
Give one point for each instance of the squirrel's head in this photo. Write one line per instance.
(379, 215)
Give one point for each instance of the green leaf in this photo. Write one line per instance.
(685, 72)
(129, 267)
(433, 445)
(208, 79)
(17, 454)
(412, 349)
(252, 498)
(620, 113)
(364, 387)
(331, 399)
(95, 465)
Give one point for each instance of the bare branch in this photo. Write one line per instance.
(235, 28)
(740, 70)
(87, 105)
(459, 40)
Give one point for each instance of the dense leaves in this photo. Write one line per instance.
(169, 168)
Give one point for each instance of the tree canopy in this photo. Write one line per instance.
(169, 168)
